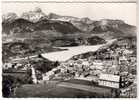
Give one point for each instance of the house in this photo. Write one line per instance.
(122, 59)
(88, 78)
(109, 80)
(96, 67)
(127, 51)
(49, 75)
(8, 65)
(124, 43)
(85, 63)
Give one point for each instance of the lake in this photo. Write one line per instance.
(69, 52)
(72, 51)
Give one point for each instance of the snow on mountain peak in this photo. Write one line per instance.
(9, 17)
(34, 15)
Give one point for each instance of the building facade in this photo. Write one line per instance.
(109, 80)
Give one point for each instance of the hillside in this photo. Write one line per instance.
(59, 26)
(21, 25)
(9, 17)
(84, 24)
(42, 32)
(113, 28)
(36, 20)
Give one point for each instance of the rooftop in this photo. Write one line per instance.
(110, 77)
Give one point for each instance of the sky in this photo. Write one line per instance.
(95, 11)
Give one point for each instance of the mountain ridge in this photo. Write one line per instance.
(37, 20)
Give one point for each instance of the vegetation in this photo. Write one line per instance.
(11, 81)
(52, 90)
(43, 65)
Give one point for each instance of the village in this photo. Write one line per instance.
(111, 66)
(115, 68)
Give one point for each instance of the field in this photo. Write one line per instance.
(56, 89)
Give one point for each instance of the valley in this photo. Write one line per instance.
(51, 52)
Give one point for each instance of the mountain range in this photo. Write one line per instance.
(35, 32)
(36, 20)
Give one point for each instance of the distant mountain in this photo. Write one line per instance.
(36, 20)
(23, 25)
(9, 17)
(41, 32)
(59, 26)
(84, 24)
(34, 15)
(114, 28)
(86, 20)
(17, 26)
(54, 16)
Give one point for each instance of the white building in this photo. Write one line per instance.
(109, 80)
(34, 79)
(85, 63)
(122, 59)
(48, 75)
(7, 65)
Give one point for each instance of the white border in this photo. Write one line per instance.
(82, 1)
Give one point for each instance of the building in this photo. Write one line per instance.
(124, 43)
(109, 80)
(122, 60)
(89, 78)
(34, 78)
(49, 75)
(7, 65)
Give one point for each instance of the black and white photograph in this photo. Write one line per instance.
(69, 49)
